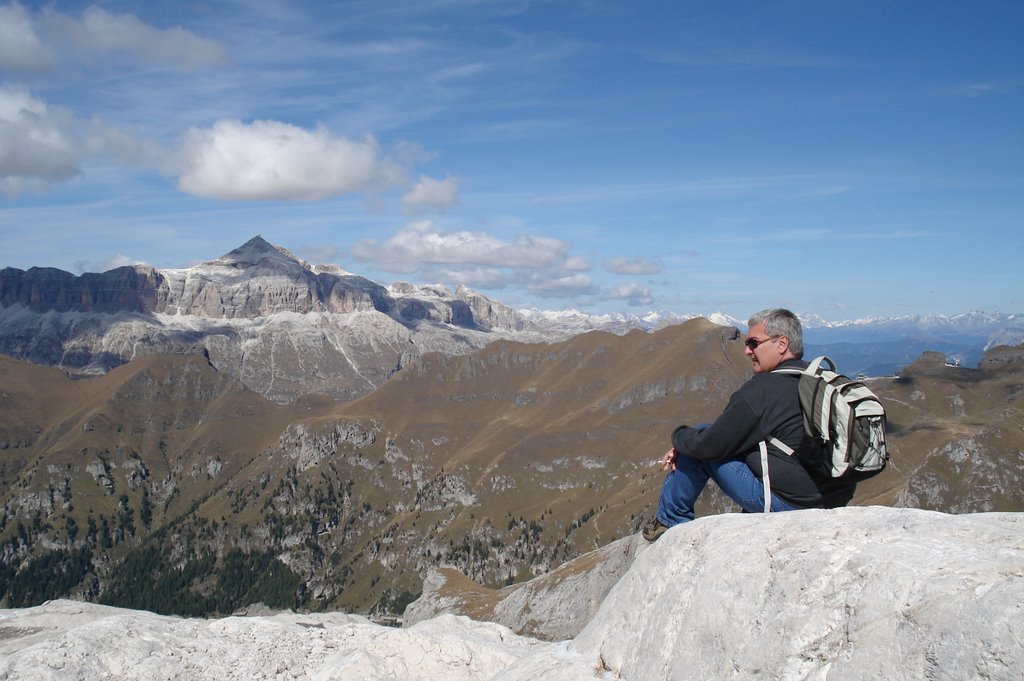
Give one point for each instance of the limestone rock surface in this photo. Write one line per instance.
(554, 606)
(69, 640)
(856, 593)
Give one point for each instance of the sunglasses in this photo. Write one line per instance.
(753, 343)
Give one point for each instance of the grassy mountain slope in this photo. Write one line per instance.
(167, 485)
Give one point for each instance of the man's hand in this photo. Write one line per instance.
(668, 460)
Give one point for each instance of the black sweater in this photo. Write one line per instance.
(768, 405)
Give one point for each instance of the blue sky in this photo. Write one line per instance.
(846, 159)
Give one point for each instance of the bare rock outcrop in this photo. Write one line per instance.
(855, 593)
(847, 594)
(552, 607)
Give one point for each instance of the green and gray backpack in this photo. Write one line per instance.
(844, 427)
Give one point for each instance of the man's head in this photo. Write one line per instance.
(773, 336)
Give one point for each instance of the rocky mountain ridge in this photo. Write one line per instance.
(281, 326)
(287, 328)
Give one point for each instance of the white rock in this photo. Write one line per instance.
(67, 640)
(857, 593)
(553, 607)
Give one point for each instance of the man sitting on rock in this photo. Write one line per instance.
(727, 451)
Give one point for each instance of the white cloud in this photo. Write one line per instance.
(477, 277)
(20, 46)
(634, 294)
(322, 254)
(568, 286)
(633, 266)
(35, 147)
(577, 264)
(42, 144)
(99, 32)
(422, 243)
(117, 260)
(431, 193)
(480, 260)
(273, 160)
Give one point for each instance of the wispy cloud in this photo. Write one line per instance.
(43, 145)
(117, 260)
(632, 294)
(633, 265)
(820, 235)
(431, 193)
(99, 33)
(742, 58)
(567, 286)
(778, 186)
(986, 88)
(422, 243)
(35, 146)
(541, 265)
(21, 49)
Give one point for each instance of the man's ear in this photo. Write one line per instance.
(783, 345)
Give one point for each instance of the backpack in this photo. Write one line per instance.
(844, 427)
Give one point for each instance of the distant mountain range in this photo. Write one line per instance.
(281, 326)
(286, 328)
(877, 346)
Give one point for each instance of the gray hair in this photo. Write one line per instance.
(781, 322)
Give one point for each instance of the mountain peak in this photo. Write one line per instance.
(258, 250)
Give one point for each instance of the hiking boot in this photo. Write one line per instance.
(654, 529)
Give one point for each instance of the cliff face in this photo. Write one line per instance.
(252, 281)
(139, 289)
(258, 279)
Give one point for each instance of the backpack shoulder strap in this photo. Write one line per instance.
(766, 483)
(813, 367)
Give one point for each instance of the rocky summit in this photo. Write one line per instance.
(858, 593)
